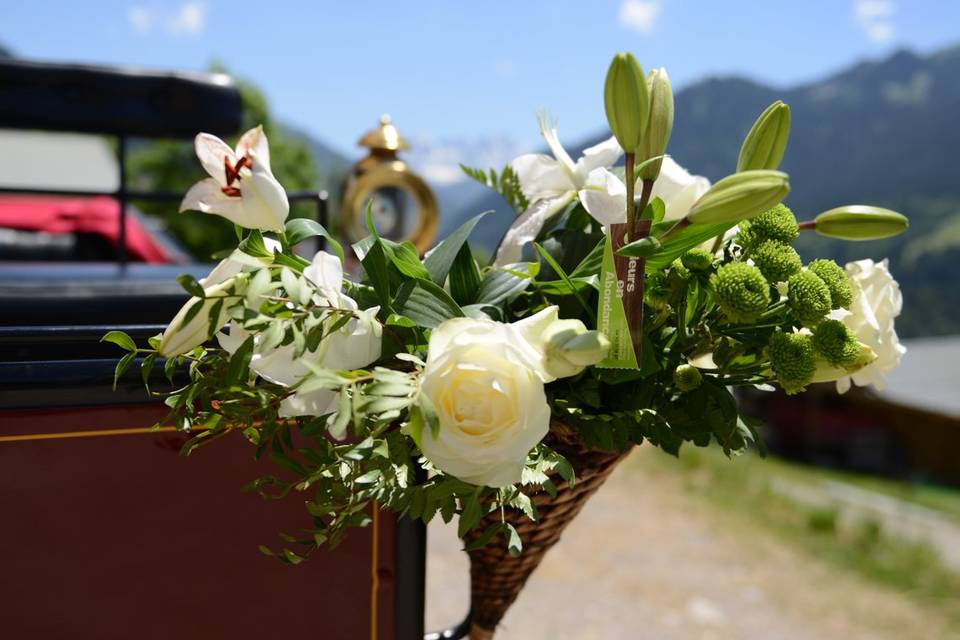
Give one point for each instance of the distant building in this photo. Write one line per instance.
(908, 430)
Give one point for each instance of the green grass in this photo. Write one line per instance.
(744, 488)
(944, 500)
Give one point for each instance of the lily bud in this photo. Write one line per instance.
(860, 222)
(626, 100)
(182, 335)
(767, 140)
(659, 125)
(740, 196)
(569, 347)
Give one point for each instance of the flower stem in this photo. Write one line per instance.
(628, 161)
(809, 225)
(646, 190)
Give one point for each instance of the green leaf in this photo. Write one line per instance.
(565, 469)
(426, 303)
(146, 368)
(361, 247)
(122, 366)
(514, 543)
(404, 257)
(471, 513)
(507, 185)
(565, 278)
(375, 266)
(483, 312)
(429, 415)
(240, 362)
(414, 426)
(444, 255)
(655, 211)
(190, 285)
(561, 288)
(120, 339)
(369, 477)
(299, 229)
(692, 301)
(382, 404)
(214, 316)
(169, 368)
(503, 282)
(253, 245)
(590, 265)
(292, 262)
(464, 276)
(682, 241)
(642, 248)
(484, 538)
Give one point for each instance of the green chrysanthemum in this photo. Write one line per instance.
(777, 261)
(657, 292)
(809, 297)
(777, 223)
(697, 259)
(832, 274)
(687, 377)
(679, 269)
(836, 343)
(792, 359)
(742, 291)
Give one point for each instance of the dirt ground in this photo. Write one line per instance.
(647, 560)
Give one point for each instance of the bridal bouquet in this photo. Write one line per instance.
(623, 305)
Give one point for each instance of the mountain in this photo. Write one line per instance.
(881, 132)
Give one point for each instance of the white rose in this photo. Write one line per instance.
(485, 380)
(871, 319)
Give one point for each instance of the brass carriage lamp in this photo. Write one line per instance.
(404, 207)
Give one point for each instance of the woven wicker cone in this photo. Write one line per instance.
(496, 578)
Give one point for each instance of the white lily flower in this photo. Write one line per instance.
(354, 345)
(605, 195)
(182, 335)
(549, 184)
(178, 339)
(241, 187)
(239, 261)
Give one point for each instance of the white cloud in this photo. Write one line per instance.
(140, 19)
(187, 19)
(438, 160)
(874, 9)
(639, 15)
(875, 17)
(190, 18)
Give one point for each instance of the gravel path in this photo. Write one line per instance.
(648, 561)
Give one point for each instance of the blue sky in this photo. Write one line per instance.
(464, 71)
